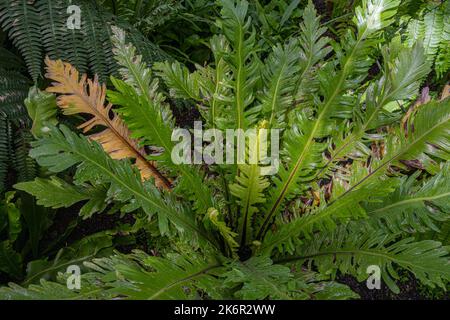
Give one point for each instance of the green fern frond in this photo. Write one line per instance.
(21, 21)
(442, 62)
(149, 117)
(63, 149)
(40, 28)
(214, 217)
(53, 192)
(314, 47)
(280, 78)
(24, 165)
(182, 84)
(250, 184)
(412, 209)
(432, 27)
(236, 27)
(403, 71)
(260, 277)
(430, 138)
(353, 252)
(10, 260)
(433, 24)
(5, 133)
(143, 277)
(354, 60)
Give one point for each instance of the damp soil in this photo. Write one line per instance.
(409, 289)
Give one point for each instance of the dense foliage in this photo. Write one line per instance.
(360, 99)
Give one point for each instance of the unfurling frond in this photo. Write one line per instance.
(213, 216)
(82, 95)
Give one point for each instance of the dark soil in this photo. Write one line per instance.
(185, 116)
(410, 289)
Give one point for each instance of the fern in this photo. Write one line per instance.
(356, 251)
(22, 23)
(40, 28)
(431, 125)
(88, 97)
(13, 117)
(148, 116)
(361, 181)
(404, 69)
(413, 208)
(242, 59)
(432, 27)
(305, 159)
(249, 188)
(64, 149)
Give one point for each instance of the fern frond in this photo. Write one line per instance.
(261, 279)
(22, 22)
(87, 96)
(150, 118)
(24, 165)
(412, 209)
(57, 193)
(433, 25)
(304, 152)
(280, 74)
(314, 47)
(433, 29)
(430, 137)
(250, 184)
(39, 28)
(133, 70)
(213, 216)
(143, 277)
(209, 87)
(5, 132)
(63, 149)
(53, 192)
(442, 62)
(404, 69)
(182, 84)
(236, 27)
(95, 33)
(374, 15)
(10, 260)
(352, 252)
(13, 88)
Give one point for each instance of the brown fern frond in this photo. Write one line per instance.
(83, 95)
